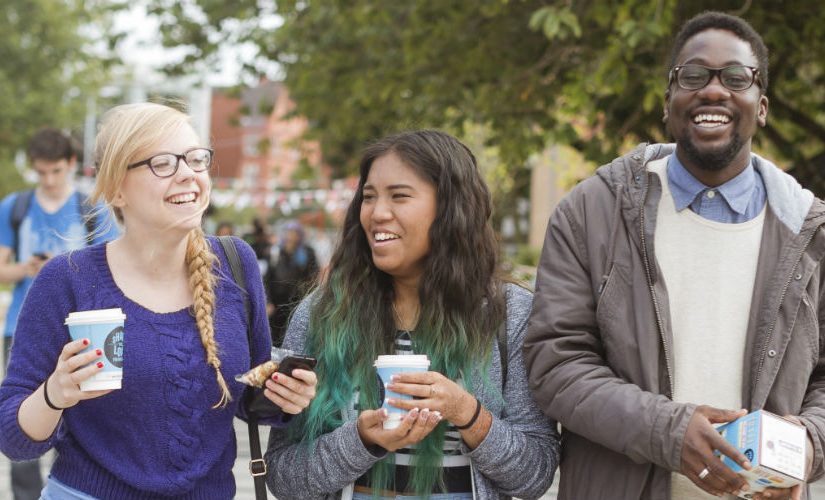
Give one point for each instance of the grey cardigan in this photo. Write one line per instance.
(518, 457)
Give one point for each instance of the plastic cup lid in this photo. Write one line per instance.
(403, 360)
(95, 316)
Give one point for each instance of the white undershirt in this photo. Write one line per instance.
(709, 269)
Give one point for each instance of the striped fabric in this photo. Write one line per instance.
(456, 465)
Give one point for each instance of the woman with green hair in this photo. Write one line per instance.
(416, 272)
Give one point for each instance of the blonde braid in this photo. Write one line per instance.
(199, 260)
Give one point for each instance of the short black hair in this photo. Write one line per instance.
(709, 20)
(50, 144)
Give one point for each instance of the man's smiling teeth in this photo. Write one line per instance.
(385, 236)
(182, 198)
(707, 120)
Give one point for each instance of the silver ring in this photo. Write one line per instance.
(704, 473)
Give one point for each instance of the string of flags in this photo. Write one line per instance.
(331, 200)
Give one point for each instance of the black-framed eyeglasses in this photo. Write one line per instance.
(166, 164)
(695, 76)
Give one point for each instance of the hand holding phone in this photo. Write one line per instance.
(296, 361)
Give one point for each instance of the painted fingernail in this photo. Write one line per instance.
(100, 364)
(85, 341)
(98, 352)
(275, 377)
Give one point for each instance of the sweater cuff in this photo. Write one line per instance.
(359, 457)
(490, 451)
(15, 443)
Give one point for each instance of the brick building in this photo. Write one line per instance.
(259, 145)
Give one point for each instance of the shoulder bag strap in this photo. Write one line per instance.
(502, 351)
(18, 213)
(501, 337)
(257, 465)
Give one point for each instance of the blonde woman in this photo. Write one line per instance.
(168, 431)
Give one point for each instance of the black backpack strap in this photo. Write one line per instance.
(257, 465)
(238, 275)
(18, 213)
(88, 215)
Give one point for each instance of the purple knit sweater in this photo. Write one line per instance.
(158, 436)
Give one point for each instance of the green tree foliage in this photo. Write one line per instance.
(48, 66)
(590, 74)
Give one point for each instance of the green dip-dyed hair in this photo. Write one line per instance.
(460, 291)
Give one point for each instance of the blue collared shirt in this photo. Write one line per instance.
(738, 200)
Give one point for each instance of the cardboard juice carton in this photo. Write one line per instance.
(775, 447)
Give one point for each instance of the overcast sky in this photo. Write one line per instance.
(142, 50)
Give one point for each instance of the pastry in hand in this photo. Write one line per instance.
(258, 375)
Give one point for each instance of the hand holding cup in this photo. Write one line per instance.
(73, 368)
(411, 429)
(388, 366)
(434, 391)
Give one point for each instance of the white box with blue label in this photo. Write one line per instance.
(775, 447)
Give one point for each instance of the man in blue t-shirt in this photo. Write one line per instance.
(50, 223)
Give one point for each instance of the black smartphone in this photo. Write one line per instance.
(296, 361)
(40, 255)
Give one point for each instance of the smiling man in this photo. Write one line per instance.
(681, 287)
(35, 226)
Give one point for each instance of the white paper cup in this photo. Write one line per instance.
(389, 365)
(104, 329)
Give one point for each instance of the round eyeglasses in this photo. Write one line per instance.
(166, 164)
(694, 76)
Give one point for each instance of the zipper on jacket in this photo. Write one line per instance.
(656, 307)
(781, 299)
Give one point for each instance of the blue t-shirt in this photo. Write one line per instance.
(52, 234)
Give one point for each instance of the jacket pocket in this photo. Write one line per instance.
(614, 316)
(616, 293)
(605, 305)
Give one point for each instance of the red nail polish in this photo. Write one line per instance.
(275, 377)
(100, 364)
(85, 341)
(98, 352)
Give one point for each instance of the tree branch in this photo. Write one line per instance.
(785, 147)
(798, 118)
